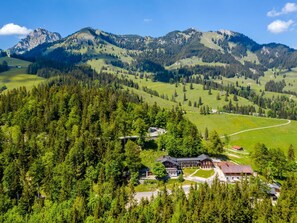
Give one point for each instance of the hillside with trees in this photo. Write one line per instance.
(238, 54)
(62, 159)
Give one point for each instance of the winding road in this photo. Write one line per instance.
(259, 128)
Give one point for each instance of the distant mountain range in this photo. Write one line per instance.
(191, 49)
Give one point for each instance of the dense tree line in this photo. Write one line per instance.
(275, 86)
(3, 53)
(4, 66)
(273, 163)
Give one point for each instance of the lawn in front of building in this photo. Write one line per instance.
(204, 173)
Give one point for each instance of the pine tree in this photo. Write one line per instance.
(235, 97)
(191, 86)
(209, 91)
(206, 134)
(291, 153)
(199, 101)
(226, 97)
(185, 97)
(175, 93)
(218, 97)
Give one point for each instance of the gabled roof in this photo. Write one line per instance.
(203, 157)
(275, 186)
(184, 159)
(187, 159)
(225, 163)
(237, 169)
(168, 159)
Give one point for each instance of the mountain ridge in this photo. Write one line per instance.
(223, 47)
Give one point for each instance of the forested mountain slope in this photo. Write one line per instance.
(223, 52)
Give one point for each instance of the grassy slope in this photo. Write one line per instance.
(14, 62)
(192, 95)
(17, 77)
(193, 61)
(228, 124)
(223, 123)
(290, 79)
(206, 40)
(280, 137)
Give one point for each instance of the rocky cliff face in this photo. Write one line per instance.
(35, 38)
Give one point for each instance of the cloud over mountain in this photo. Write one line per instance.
(279, 26)
(13, 29)
(288, 8)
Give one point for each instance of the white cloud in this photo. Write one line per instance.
(288, 8)
(273, 13)
(279, 26)
(13, 29)
(147, 20)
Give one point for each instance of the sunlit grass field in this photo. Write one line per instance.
(18, 77)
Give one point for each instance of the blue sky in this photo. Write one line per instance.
(262, 20)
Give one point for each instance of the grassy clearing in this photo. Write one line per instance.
(204, 173)
(149, 157)
(17, 77)
(153, 185)
(14, 62)
(206, 40)
(228, 123)
(280, 137)
(251, 57)
(193, 61)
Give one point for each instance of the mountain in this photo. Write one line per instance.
(211, 53)
(33, 39)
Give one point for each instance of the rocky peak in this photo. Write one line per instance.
(33, 39)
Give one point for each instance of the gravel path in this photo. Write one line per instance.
(259, 128)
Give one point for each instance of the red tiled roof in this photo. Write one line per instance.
(237, 169)
(236, 147)
(225, 163)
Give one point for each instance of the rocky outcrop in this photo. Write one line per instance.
(33, 39)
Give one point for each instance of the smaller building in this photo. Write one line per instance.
(237, 147)
(274, 188)
(146, 174)
(236, 172)
(154, 132)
